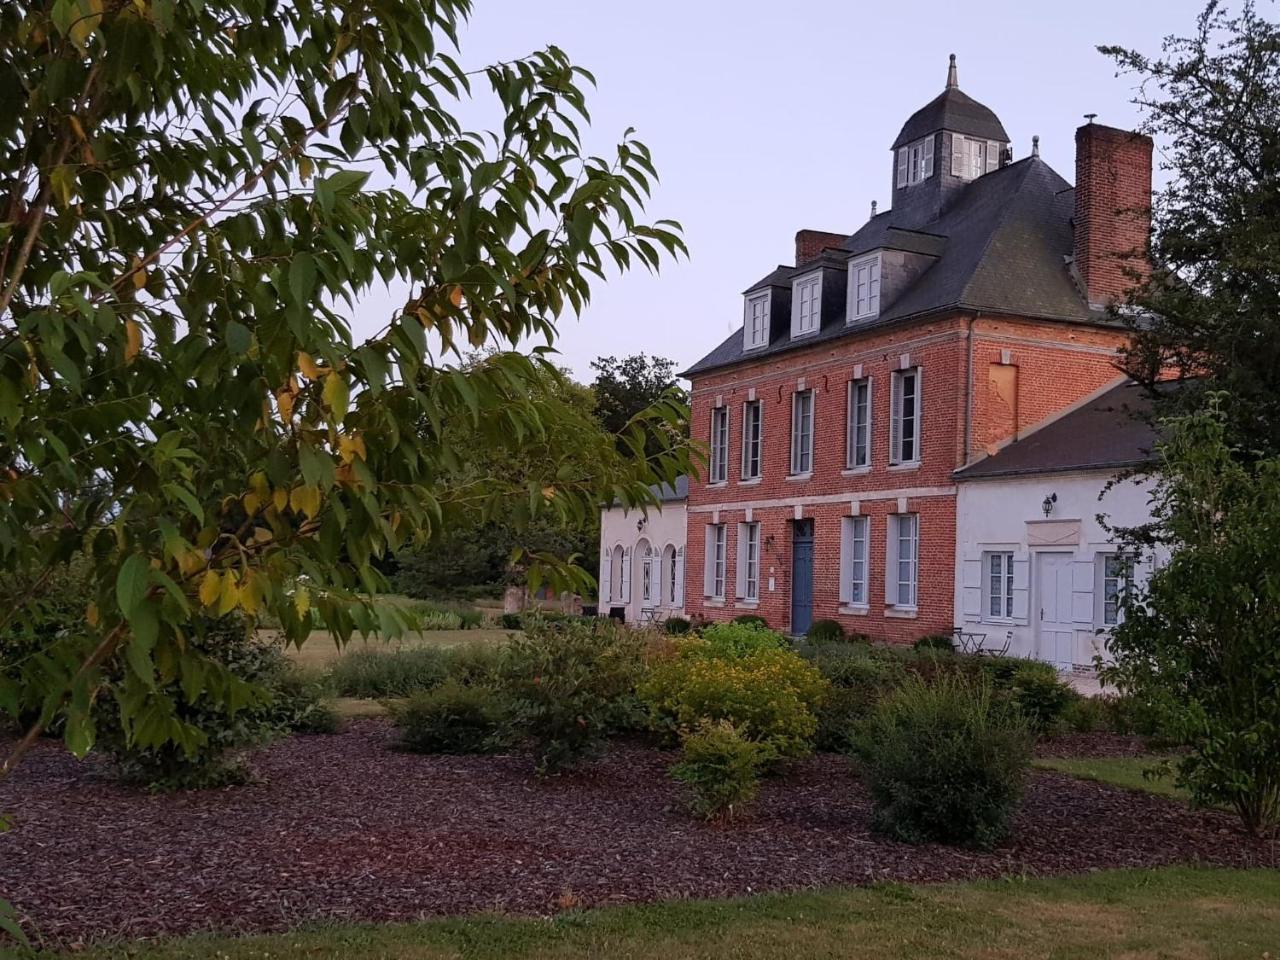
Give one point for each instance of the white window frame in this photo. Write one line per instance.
(719, 464)
(801, 438)
(756, 311)
(915, 161)
(971, 157)
(647, 597)
(752, 446)
(868, 306)
(748, 566)
(902, 566)
(806, 304)
(715, 561)
(1123, 583)
(858, 422)
(997, 569)
(855, 552)
(897, 417)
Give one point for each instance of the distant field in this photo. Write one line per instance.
(319, 650)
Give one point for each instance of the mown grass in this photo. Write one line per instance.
(319, 651)
(1126, 772)
(1175, 912)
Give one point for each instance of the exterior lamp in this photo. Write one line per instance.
(1047, 505)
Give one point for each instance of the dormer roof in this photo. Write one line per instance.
(955, 111)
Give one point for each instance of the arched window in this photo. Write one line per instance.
(615, 574)
(648, 581)
(669, 569)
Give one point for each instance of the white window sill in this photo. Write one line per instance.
(713, 602)
(901, 613)
(717, 483)
(869, 316)
(801, 334)
(750, 481)
(750, 604)
(755, 346)
(855, 609)
(855, 471)
(904, 467)
(800, 477)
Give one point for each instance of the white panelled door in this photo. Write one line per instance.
(1055, 635)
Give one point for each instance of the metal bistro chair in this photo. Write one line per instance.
(968, 641)
(999, 651)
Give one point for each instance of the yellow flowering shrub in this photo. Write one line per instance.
(772, 695)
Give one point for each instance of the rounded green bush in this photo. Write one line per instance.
(945, 762)
(751, 619)
(454, 719)
(1040, 694)
(721, 767)
(740, 638)
(935, 641)
(825, 631)
(676, 626)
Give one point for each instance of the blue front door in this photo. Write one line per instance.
(801, 576)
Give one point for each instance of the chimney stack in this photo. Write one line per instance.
(1112, 210)
(810, 243)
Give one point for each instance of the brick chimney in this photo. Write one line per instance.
(810, 243)
(1112, 210)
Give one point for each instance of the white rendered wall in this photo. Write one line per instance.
(631, 532)
(1007, 515)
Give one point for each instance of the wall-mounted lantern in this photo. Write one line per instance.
(1047, 505)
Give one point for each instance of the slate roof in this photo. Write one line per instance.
(1112, 432)
(1001, 247)
(955, 111)
(668, 493)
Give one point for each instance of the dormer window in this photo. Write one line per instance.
(971, 157)
(864, 288)
(915, 162)
(806, 304)
(756, 320)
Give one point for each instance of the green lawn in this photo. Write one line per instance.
(1124, 772)
(1178, 912)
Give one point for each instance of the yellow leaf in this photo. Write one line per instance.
(351, 446)
(229, 595)
(250, 596)
(284, 400)
(262, 534)
(336, 396)
(251, 503)
(302, 601)
(455, 296)
(91, 614)
(210, 588)
(308, 366)
(305, 500)
(280, 498)
(189, 561)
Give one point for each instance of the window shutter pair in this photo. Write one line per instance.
(926, 158)
(902, 166)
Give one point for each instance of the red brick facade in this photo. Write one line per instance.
(983, 378)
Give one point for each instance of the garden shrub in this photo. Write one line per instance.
(454, 719)
(945, 762)
(770, 694)
(740, 638)
(572, 684)
(676, 626)
(1085, 715)
(936, 641)
(511, 621)
(1040, 694)
(277, 700)
(721, 766)
(751, 619)
(825, 631)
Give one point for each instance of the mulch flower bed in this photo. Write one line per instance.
(343, 828)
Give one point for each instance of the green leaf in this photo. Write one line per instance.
(9, 924)
(131, 584)
(239, 337)
(302, 277)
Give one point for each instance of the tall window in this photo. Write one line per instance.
(806, 305)
(1000, 584)
(904, 563)
(756, 321)
(647, 579)
(864, 288)
(719, 444)
(904, 436)
(714, 573)
(853, 547)
(802, 432)
(749, 561)
(1117, 574)
(752, 427)
(858, 441)
(915, 162)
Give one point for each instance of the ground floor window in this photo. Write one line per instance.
(715, 560)
(1117, 574)
(903, 567)
(1000, 585)
(853, 554)
(749, 561)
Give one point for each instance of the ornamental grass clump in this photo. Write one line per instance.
(454, 719)
(945, 762)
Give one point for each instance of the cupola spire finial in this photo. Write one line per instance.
(952, 82)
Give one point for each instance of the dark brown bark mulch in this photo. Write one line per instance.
(344, 828)
(1092, 745)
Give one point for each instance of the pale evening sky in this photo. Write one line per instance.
(767, 117)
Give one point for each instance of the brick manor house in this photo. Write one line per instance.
(880, 363)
